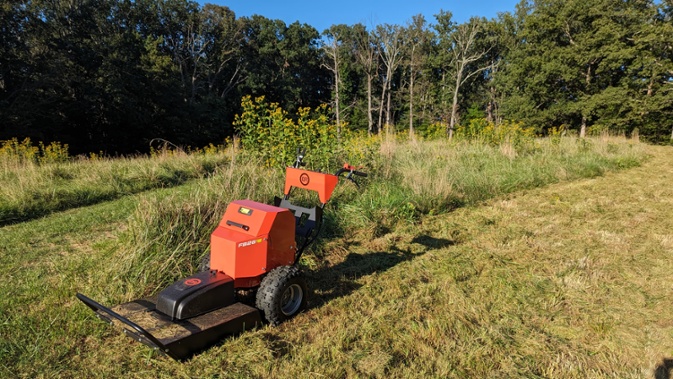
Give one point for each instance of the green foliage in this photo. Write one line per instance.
(474, 112)
(266, 131)
(482, 131)
(111, 76)
(13, 152)
(589, 65)
(436, 130)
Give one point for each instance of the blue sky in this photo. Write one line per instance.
(323, 14)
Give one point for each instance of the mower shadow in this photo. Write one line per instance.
(663, 370)
(332, 282)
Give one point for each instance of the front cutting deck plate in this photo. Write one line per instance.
(178, 339)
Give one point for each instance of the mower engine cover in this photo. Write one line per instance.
(251, 240)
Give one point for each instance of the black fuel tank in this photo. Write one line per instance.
(196, 295)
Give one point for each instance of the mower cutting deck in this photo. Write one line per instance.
(255, 247)
(177, 339)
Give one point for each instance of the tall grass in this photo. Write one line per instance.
(30, 189)
(431, 177)
(166, 237)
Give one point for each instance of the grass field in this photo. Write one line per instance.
(547, 275)
(29, 190)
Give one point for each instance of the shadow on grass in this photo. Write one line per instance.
(663, 370)
(63, 199)
(340, 280)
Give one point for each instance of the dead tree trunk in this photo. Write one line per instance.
(390, 53)
(464, 55)
(333, 64)
(366, 56)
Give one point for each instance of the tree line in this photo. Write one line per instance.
(113, 75)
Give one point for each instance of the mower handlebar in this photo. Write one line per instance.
(351, 170)
(300, 157)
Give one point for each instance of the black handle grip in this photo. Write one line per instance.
(358, 173)
(232, 223)
(300, 157)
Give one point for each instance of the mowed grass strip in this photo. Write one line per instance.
(29, 190)
(460, 294)
(570, 281)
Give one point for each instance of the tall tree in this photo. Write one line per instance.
(465, 53)
(390, 39)
(14, 62)
(498, 39)
(575, 62)
(84, 89)
(366, 54)
(416, 40)
(284, 63)
(442, 61)
(334, 57)
(653, 70)
(223, 36)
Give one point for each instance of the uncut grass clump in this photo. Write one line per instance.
(168, 234)
(439, 177)
(377, 208)
(416, 178)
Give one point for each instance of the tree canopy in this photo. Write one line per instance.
(111, 75)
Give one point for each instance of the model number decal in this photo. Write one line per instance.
(250, 243)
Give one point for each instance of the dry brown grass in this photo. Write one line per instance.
(29, 190)
(568, 281)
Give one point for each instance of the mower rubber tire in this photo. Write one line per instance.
(282, 294)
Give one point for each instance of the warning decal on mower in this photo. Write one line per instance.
(304, 179)
(192, 282)
(250, 243)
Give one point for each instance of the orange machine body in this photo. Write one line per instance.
(322, 183)
(252, 239)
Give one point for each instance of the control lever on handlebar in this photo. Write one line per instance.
(300, 156)
(352, 170)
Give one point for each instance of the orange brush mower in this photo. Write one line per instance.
(255, 247)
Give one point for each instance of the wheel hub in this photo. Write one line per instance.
(291, 299)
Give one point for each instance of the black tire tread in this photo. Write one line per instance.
(271, 290)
